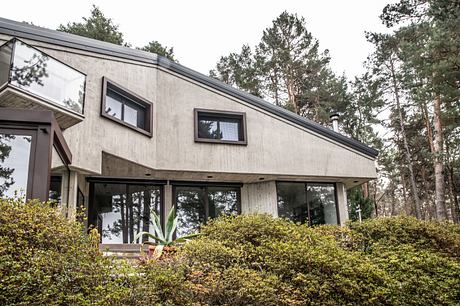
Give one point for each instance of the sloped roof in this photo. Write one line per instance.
(24, 30)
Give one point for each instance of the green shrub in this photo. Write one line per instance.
(440, 237)
(243, 260)
(46, 260)
(259, 260)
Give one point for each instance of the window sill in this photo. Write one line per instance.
(218, 141)
(132, 127)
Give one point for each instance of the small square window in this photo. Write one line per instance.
(220, 127)
(127, 108)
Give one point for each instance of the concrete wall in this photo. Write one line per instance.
(259, 198)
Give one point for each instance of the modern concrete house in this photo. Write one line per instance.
(123, 132)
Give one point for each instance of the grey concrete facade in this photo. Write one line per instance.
(277, 149)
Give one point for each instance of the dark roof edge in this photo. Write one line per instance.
(20, 29)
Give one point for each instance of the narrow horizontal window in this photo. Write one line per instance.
(220, 127)
(127, 108)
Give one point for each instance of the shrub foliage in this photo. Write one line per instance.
(243, 260)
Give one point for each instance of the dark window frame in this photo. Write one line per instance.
(204, 186)
(306, 197)
(122, 181)
(46, 133)
(241, 116)
(134, 98)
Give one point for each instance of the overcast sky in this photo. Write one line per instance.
(202, 31)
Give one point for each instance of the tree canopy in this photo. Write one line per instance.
(100, 27)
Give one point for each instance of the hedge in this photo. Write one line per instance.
(242, 260)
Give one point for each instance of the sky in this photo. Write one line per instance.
(203, 31)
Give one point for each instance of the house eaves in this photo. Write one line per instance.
(26, 31)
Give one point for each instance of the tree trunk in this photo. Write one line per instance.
(406, 145)
(365, 188)
(440, 202)
(455, 204)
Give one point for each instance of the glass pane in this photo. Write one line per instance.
(292, 202)
(208, 129)
(59, 172)
(44, 76)
(130, 115)
(5, 61)
(222, 201)
(120, 211)
(113, 105)
(190, 209)
(321, 199)
(230, 130)
(55, 189)
(14, 164)
(80, 206)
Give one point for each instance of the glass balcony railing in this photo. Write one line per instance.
(31, 70)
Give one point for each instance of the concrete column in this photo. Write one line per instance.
(342, 203)
(168, 202)
(64, 193)
(73, 191)
(259, 198)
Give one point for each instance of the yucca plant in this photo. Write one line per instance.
(166, 238)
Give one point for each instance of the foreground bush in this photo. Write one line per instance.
(244, 260)
(45, 260)
(259, 260)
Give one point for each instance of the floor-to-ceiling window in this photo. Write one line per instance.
(15, 152)
(311, 203)
(120, 210)
(196, 204)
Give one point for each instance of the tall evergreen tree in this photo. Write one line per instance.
(430, 35)
(287, 68)
(157, 48)
(96, 26)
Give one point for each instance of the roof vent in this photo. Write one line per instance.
(334, 117)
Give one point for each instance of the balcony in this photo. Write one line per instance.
(31, 79)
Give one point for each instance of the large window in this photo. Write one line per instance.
(220, 127)
(196, 204)
(127, 108)
(28, 69)
(28, 140)
(120, 210)
(15, 152)
(311, 203)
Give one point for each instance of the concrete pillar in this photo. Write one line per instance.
(69, 189)
(342, 203)
(64, 193)
(168, 200)
(259, 198)
(73, 191)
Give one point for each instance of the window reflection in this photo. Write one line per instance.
(190, 209)
(125, 109)
(292, 202)
(14, 164)
(219, 128)
(321, 202)
(197, 204)
(59, 176)
(312, 203)
(120, 211)
(44, 76)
